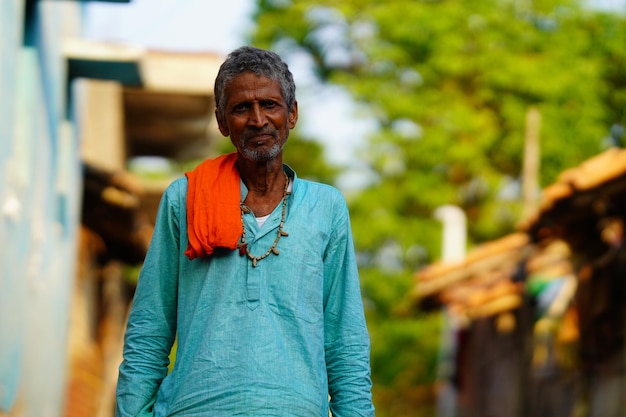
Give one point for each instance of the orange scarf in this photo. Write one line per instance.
(213, 206)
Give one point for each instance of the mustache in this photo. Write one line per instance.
(252, 132)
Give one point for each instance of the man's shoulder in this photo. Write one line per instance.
(313, 192)
(322, 189)
(177, 185)
(176, 191)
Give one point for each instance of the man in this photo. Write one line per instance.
(253, 271)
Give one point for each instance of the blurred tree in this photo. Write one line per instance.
(450, 83)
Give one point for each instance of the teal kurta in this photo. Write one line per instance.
(272, 340)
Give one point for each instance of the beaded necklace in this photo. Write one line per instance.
(243, 245)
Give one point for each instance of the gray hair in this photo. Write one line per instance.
(260, 62)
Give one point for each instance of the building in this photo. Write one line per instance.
(535, 320)
(78, 122)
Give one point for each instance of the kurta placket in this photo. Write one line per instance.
(259, 240)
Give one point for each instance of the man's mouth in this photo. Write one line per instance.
(259, 139)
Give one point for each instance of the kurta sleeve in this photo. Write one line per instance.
(347, 344)
(151, 327)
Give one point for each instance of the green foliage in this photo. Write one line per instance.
(306, 157)
(450, 84)
(131, 274)
(404, 344)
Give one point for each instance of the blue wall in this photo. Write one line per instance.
(40, 186)
(11, 225)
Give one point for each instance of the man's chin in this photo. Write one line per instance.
(262, 155)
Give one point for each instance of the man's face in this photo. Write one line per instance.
(256, 117)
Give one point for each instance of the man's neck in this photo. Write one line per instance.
(266, 184)
(262, 178)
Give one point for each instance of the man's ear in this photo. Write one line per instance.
(221, 124)
(293, 115)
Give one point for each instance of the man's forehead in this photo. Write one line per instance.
(249, 84)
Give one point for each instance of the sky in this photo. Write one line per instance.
(326, 113)
(188, 25)
(610, 5)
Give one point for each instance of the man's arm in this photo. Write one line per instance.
(347, 342)
(151, 325)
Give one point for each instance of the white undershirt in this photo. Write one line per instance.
(261, 220)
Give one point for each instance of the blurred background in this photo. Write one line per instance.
(479, 146)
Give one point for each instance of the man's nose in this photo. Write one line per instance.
(257, 116)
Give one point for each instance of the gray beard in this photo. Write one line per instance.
(263, 155)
